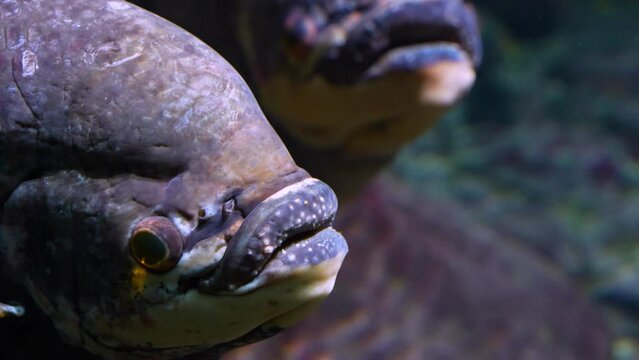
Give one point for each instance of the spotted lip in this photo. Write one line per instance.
(301, 208)
(403, 24)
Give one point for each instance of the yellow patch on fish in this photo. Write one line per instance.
(138, 279)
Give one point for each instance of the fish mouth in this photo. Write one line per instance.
(292, 226)
(401, 36)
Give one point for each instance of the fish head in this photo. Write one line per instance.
(364, 76)
(162, 216)
(124, 277)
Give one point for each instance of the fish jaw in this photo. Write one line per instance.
(176, 321)
(279, 298)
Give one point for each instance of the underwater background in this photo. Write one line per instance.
(545, 149)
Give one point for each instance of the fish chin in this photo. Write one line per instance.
(293, 282)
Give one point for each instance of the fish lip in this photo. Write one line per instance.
(307, 206)
(395, 25)
(411, 58)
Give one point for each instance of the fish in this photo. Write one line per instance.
(150, 211)
(352, 82)
(345, 59)
(346, 83)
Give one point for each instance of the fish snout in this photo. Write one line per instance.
(294, 219)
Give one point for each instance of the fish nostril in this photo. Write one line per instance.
(228, 207)
(222, 223)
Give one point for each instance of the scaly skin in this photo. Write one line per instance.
(113, 120)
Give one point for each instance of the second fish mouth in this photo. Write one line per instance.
(296, 212)
(450, 27)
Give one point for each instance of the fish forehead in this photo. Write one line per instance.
(108, 80)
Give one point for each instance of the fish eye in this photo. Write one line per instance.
(156, 244)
